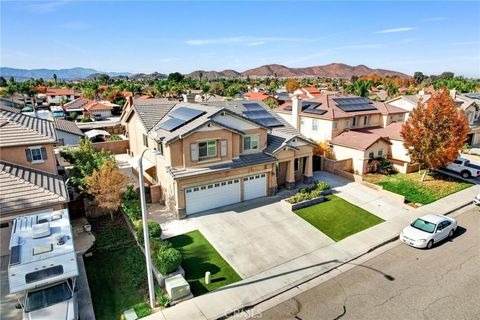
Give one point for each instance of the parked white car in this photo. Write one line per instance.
(424, 232)
(464, 168)
(476, 200)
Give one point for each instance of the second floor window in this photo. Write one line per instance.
(335, 125)
(36, 154)
(160, 148)
(366, 120)
(314, 124)
(355, 121)
(250, 143)
(145, 140)
(347, 123)
(207, 149)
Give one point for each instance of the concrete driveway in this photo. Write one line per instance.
(256, 235)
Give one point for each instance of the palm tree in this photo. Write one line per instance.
(55, 78)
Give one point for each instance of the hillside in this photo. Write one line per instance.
(66, 74)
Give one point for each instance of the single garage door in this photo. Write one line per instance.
(255, 186)
(212, 195)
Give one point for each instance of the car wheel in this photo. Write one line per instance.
(450, 234)
(430, 244)
(466, 174)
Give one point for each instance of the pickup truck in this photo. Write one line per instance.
(465, 168)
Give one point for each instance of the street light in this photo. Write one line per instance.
(148, 258)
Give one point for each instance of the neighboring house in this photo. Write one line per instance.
(468, 102)
(357, 128)
(308, 93)
(261, 96)
(83, 107)
(28, 172)
(68, 132)
(215, 154)
(59, 96)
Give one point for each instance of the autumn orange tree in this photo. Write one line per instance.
(291, 85)
(435, 131)
(107, 184)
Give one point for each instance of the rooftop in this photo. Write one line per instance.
(67, 126)
(41, 250)
(356, 139)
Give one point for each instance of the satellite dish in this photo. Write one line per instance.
(153, 134)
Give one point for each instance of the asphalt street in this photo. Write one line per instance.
(401, 283)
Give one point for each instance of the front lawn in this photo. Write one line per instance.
(116, 272)
(434, 187)
(338, 218)
(199, 256)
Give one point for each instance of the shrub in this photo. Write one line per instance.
(154, 231)
(132, 208)
(167, 260)
(130, 194)
(86, 119)
(381, 166)
(73, 116)
(309, 193)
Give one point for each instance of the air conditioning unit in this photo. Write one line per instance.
(177, 287)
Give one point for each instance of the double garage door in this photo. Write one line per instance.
(226, 192)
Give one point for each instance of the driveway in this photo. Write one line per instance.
(7, 301)
(256, 235)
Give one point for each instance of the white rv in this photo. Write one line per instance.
(43, 266)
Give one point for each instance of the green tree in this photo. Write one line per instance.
(419, 77)
(55, 78)
(175, 77)
(10, 90)
(3, 82)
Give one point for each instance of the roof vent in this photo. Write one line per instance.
(60, 239)
(40, 230)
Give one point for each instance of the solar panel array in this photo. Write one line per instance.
(309, 108)
(354, 104)
(473, 95)
(262, 117)
(253, 107)
(180, 117)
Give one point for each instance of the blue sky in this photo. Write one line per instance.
(184, 36)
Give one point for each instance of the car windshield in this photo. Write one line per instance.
(423, 225)
(46, 297)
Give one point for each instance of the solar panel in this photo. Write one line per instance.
(357, 107)
(263, 117)
(171, 124)
(315, 111)
(269, 122)
(253, 106)
(349, 101)
(473, 95)
(257, 114)
(186, 114)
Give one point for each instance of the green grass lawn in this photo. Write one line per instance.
(116, 272)
(200, 256)
(434, 187)
(338, 218)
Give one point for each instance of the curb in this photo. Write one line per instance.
(314, 276)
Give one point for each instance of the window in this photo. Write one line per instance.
(145, 140)
(380, 153)
(371, 155)
(36, 154)
(355, 121)
(160, 148)
(314, 124)
(335, 125)
(44, 298)
(207, 149)
(347, 123)
(366, 119)
(250, 143)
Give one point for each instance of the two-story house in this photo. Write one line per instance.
(58, 96)
(356, 127)
(214, 154)
(468, 102)
(28, 172)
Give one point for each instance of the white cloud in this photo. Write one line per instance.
(394, 30)
(434, 19)
(241, 40)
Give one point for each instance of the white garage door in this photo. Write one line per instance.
(212, 195)
(255, 186)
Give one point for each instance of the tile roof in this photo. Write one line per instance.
(392, 131)
(10, 109)
(67, 126)
(76, 104)
(242, 161)
(25, 188)
(331, 110)
(356, 139)
(96, 106)
(59, 92)
(257, 96)
(151, 111)
(17, 129)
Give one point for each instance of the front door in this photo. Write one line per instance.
(282, 173)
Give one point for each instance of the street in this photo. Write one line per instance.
(401, 283)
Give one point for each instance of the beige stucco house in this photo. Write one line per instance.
(29, 180)
(214, 154)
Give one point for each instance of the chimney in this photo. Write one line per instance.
(296, 109)
(421, 93)
(189, 97)
(453, 93)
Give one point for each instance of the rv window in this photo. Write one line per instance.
(46, 297)
(43, 274)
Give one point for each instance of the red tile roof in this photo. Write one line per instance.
(257, 96)
(59, 92)
(392, 131)
(126, 94)
(97, 106)
(357, 139)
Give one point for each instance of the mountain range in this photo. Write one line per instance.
(65, 74)
(333, 70)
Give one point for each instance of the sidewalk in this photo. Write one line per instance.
(269, 283)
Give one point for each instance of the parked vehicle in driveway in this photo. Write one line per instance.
(464, 168)
(476, 200)
(424, 232)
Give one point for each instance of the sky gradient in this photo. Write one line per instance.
(431, 37)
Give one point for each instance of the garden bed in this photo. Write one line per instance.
(313, 193)
(434, 187)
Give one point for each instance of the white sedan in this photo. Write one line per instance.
(427, 230)
(476, 200)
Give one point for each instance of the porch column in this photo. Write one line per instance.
(290, 183)
(308, 173)
(272, 181)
